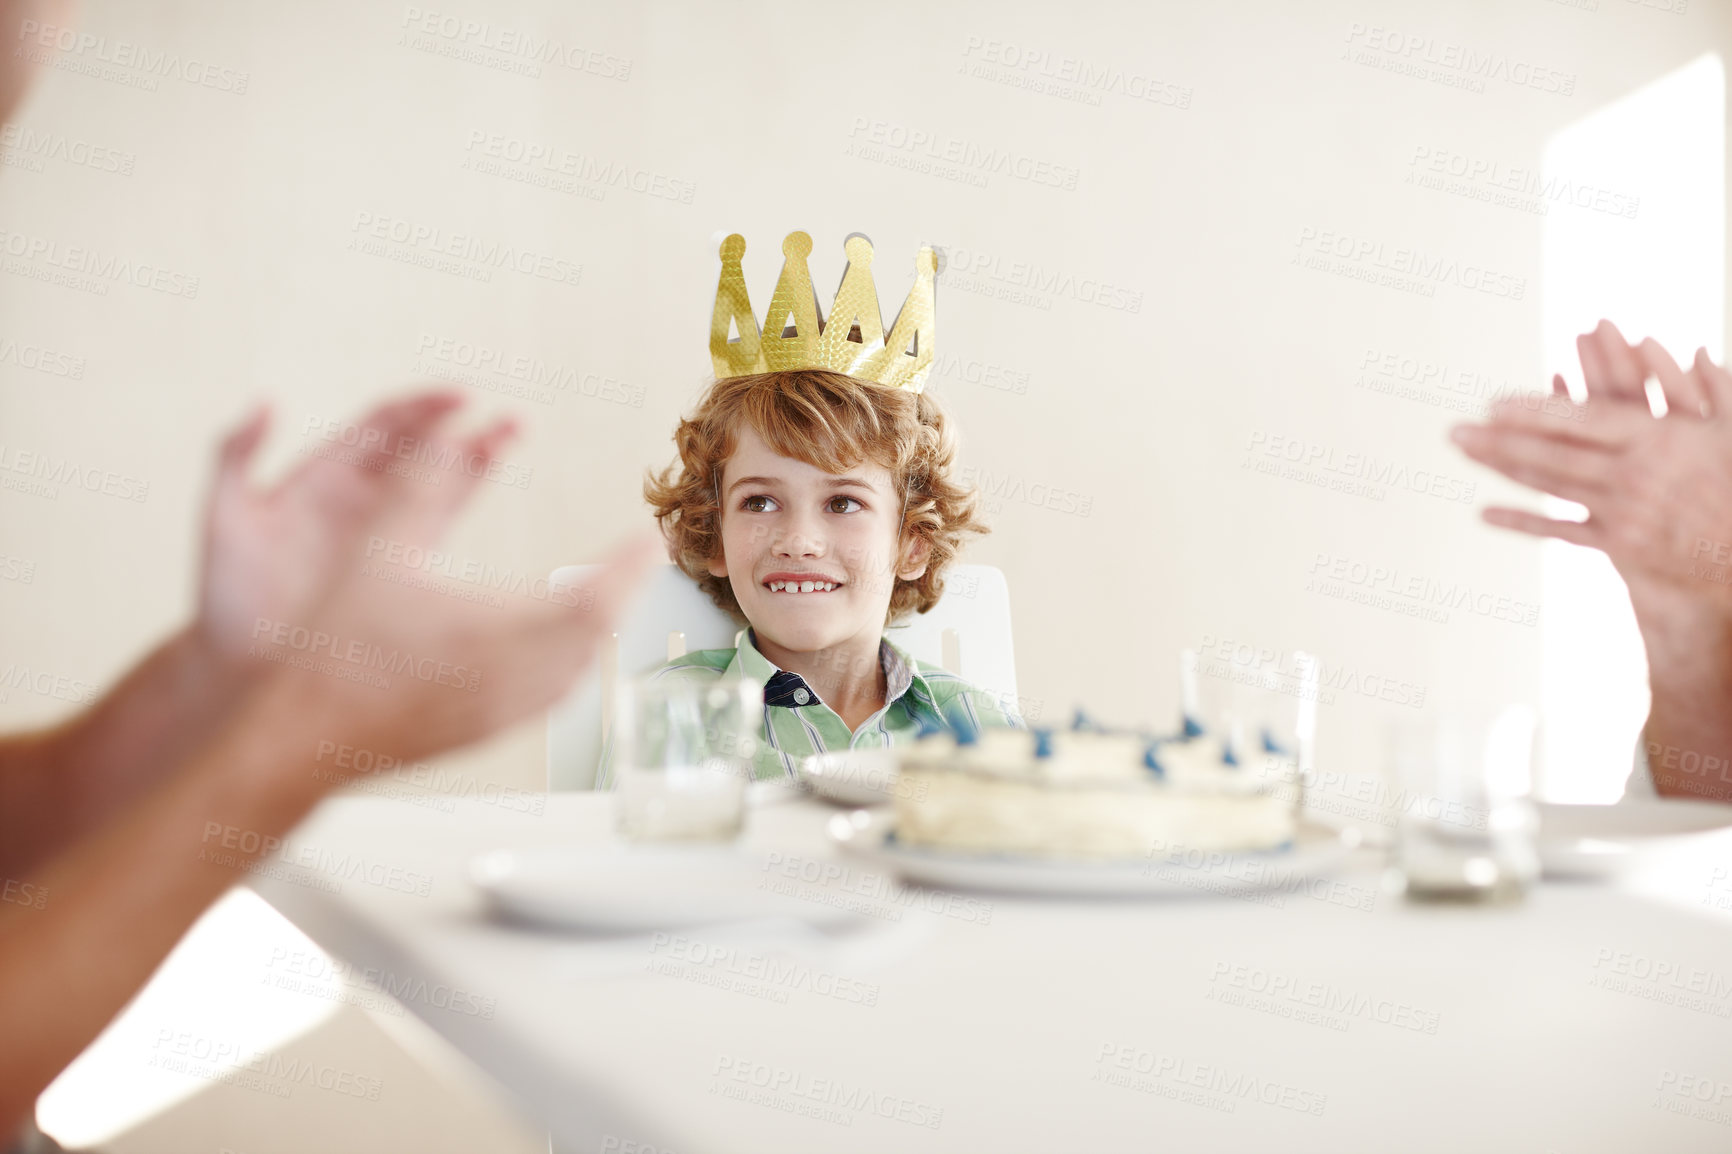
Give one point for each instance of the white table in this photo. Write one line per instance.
(1587, 1018)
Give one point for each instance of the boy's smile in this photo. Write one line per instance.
(800, 583)
(811, 556)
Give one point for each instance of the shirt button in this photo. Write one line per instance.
(802, 696)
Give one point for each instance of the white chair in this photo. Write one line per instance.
(967, 632)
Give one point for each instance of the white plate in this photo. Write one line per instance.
(626, 888)
(1605, 841)
(1317, 851)
(852, 777)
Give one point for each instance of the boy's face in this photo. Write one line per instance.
(786, 523)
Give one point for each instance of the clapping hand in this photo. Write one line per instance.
(275, 553)
(376, 658)
(1658, 491)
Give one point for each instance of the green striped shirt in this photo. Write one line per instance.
(918, 698)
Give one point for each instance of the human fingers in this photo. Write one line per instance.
(405, 425)
(511, 665)
(234, 459)
(416, 408)
(377, 437)
(235, 454)
(1595, 372)
(480, 450)
(378, 433)
(489, 441)
(1717, 382)
(1623, 362)
(1584, 533)
(1685, 392)
(1544, 413)
(419, 513)
(597, 603)
(547, 647)
(1609, 366)
(1571, 470)
(587, 613)
(237, 449)
(1609, 422)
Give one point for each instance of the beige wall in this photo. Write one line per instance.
(1263, 128)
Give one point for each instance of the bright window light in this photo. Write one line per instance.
(1660, 274)
(210, 995)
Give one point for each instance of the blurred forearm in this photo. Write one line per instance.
(1688, 735)
(59, 783)
(102, 916)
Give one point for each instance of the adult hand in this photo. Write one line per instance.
(1658, 491)
(360, 656)
(1659, 497)
(268, 555)
(406, 672)
(276, 553)
(375, 656)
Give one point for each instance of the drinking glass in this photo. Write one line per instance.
(1265, 710)
(683, 753)
(1465, 824)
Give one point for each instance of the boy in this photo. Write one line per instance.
(820, 506)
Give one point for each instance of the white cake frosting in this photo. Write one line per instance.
(1088, 794)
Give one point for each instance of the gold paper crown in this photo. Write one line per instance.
(795, 335)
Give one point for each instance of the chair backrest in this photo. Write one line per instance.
(967, 632)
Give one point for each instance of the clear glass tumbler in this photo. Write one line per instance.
(1465, 824)
(683, 754)
(1264, 710)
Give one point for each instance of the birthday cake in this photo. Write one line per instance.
(1091, 793)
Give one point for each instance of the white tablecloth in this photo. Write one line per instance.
(1587, 1018)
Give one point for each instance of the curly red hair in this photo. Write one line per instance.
(833, 422)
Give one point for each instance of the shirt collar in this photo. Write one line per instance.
(748, 663)
(901, 674)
